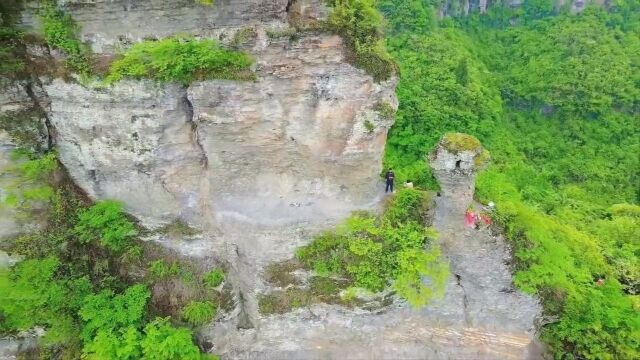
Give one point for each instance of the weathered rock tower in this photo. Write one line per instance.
(455, 162)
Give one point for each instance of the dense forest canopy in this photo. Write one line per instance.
(555, 98)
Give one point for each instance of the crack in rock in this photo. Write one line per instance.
(194, 131)
(465, 301)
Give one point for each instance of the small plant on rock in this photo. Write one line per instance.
(213, 278)
(370, 126)
(199, 313)
(106, 223)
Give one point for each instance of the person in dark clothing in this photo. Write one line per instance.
(390, 176)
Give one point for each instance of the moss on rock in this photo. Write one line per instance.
(457, 142)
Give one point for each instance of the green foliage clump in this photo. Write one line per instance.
(106, 312)
(408, 206)
(182, 60)
(113, 329)
(385, 109)
(31, 173)
(554, 99)
(106, 223)
(61, 32)
(77, 288)
(361, 26)
(213, 278)
(199, 312)
(163, 341)
(457, 142)
(159, 270)
(375, 253)
(33, 294)
(369, 126)
(10, 39)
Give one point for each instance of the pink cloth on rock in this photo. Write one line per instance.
(470, 219)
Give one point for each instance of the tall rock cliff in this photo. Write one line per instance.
(257, 166)
(288, 147)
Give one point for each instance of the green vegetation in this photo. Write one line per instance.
(372, 253)
(385, 110)
(31, 181)
(61, 32)
(199, 313)
(457, 142)
(361, 26)
(555, 101)
(369, 126)
(213, 278)
(78, 278)
(106, 223)
(180, 59)
(159, 270)
(10, 39)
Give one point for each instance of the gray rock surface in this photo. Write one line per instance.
(111, 25)
(289, 147)
(133, 142)
(481, 316)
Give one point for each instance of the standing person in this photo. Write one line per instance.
(390, 176)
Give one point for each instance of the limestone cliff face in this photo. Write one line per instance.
(111, 25)
(290, 146)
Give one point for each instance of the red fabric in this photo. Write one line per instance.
(485, 219)
(469, 219)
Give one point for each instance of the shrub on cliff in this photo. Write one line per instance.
(182, 60)
(61, 32)
(390, 251)
(106, 223)
(361, 26)
(199, 312)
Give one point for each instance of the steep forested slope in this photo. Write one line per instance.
(555, 97)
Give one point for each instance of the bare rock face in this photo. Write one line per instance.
(293, 145)
(133, 142)
(290, 146)
(110, 25)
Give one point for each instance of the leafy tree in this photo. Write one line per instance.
(61, 32)
(32, 294)
(108, 312)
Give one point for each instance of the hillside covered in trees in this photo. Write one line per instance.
(555, 98)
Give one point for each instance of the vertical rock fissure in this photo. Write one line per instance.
(194, 131)
(47, 122)
(465, 301)
(289, 5)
